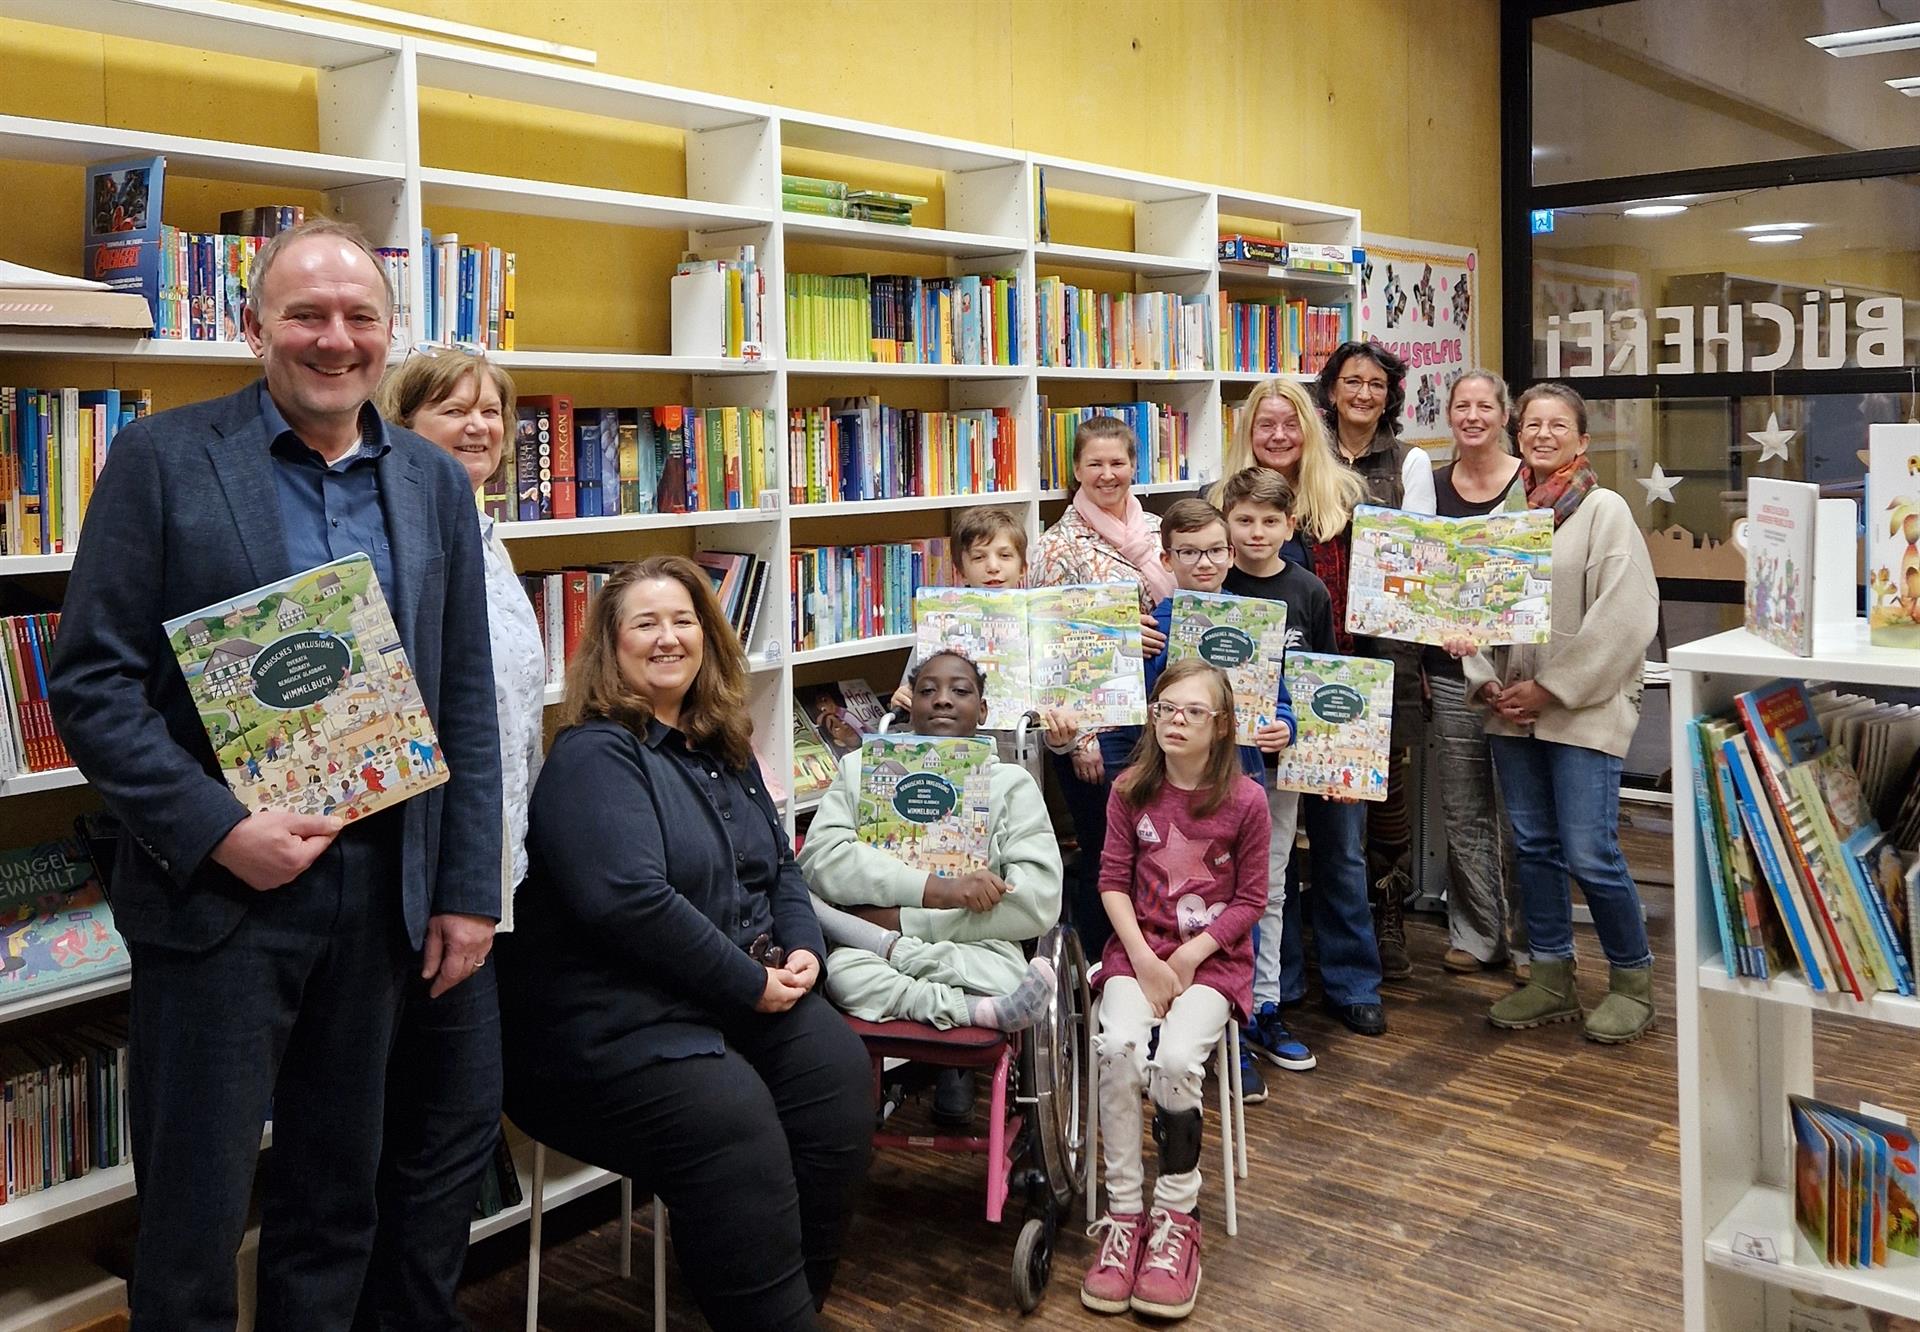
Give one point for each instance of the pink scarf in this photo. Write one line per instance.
(1137, 543)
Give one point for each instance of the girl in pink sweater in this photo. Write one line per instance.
(1183, 878)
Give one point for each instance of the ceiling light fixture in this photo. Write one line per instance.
(1655, 210)
(1776, 226)
(1869, 41)
(1909, 87)
(1775, 237)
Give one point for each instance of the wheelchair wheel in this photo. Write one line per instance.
(1057, 1046)
(1032, 1264)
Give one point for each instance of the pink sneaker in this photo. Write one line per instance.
(1169, 1276)
(1108, 1287)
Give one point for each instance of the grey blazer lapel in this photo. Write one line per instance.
(244, 467)
(403, 493)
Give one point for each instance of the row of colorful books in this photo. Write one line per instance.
(1853, 1184)
(28, 742)
(1145, 330)
(862, 449)
(829, 721)
(603, 462)
(822, 197)
(562, 598)
(840, 594)
(900, 319)
(1159, 432)
(1295, 256)
(1280, 336)
(56, 929)
(470, 291)
(63, 1107)
(1800, 870)
(717, 303)
(53, 443)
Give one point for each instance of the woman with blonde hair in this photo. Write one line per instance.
(660, 995)
(1279, 427)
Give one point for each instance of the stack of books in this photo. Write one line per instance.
(862, 449)
(53, 443)
(841, 594)
(63, 1107)
(823, 197)
(969, 320)
(1146, 330)
(1809, 855)
(28, 741)
(1280, 336)
(470, 291)
(1159, 432)
(1256, 253)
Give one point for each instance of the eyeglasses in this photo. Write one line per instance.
(1212, 554)
(1355, 385)
(431, 349)
(1192, 713)
(1558, 429)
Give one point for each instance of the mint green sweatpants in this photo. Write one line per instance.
(935, 983)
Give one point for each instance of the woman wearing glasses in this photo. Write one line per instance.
(1362, 389)
(1561, 715)
(443, 1080)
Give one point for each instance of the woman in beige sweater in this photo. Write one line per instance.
(1560, 717)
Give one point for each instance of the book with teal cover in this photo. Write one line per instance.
(927, 800)
(1344, 708)
(1244, 636)
(307, 696)
(56, 929)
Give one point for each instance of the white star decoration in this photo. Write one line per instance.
(1773, 440)
(1659, 485)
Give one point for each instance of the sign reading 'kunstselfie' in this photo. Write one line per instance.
(1828, 332)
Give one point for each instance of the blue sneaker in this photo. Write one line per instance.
(1253, 1087)
(1268, 1037)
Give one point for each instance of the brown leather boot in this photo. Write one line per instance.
(1389, 925)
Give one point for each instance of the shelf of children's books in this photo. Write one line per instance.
(122, 347)
(210, 26)
(628, 522)
(1251, 377)
(1274, 275)
(53, 779)
(906, 370)
(814, 132)
(562, 358)
(1758, 1238)
(1893, 1009)
(1842, 653)
(908, 504)
(910, 240)
(16, 1009)
(19, 565)
(1186, 487)
(1123, 374)
(23, 138)
(1124, 261)
(580, 203)
(89, 1193)
(566, 1179)
(855, 647)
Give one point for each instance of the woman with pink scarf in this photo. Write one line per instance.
(1103, 537)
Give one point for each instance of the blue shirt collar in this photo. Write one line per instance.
(373, 430)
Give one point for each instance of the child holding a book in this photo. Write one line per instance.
(928, 947)
(1183, 879)
(1259, 508)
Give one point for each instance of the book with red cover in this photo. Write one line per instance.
(559, 408)
(579, 596)
(671, 423)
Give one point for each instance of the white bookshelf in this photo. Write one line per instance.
(1745, 1045)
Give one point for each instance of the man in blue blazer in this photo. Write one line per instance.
(270, 950)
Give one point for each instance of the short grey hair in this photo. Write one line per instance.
(270, 253)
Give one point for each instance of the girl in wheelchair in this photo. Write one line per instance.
(1183, 878)
(926, 947)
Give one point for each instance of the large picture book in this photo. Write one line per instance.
(1244, 636)
(307, 695)
(1073, 648)
(1426, 579)
(56, 929)
(1893, 535)
(925, 800)
(1779, 593)
(1344, 708)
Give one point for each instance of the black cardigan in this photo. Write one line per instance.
(620, 953)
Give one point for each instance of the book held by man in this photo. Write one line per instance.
(1244, 636)
(307, 695)
(925, 800)
(1344, 708)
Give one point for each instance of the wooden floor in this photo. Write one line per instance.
(1443, 1176)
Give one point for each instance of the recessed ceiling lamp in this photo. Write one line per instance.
(1775, 237)
(1776, 226)
(1910, 86)
(1870, 41)
(1655, 210)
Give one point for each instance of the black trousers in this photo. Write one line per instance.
(291, 1015)
(1087, 807)
(756, 1152)
(442, 1118)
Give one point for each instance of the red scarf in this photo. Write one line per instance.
(1563, 490)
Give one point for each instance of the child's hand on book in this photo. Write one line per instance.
(1460, 646)
(1061, 723)
(976, 890)
(1159, 982)
(1273, 737)
(1152, 641)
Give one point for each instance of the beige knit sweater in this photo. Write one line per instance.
(1606, 609)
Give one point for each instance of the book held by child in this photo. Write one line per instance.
(924, 800)
(1344, 706)
(1244, 636)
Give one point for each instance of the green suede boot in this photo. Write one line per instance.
(1548, 997)
(1627, 1011)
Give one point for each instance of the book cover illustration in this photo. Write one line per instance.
(1779, 594)
(1893, 535)
(1244, 636)
(833, 718)
(56, 929)
(1344, 707)
(862, 705)
(813, 763)
(1086, 653)
(926, 800)
(988, 626)
(121, 231)
(1425, 579)
(307, 695)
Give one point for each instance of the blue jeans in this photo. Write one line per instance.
(1342, 921)
(1564, 802)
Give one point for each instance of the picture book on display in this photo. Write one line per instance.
(841, 714)
(122, 226)
(1425, 579)
(1344, 710)
(1780, 526)
(1893, 535)
(814, 764)
(1244, 636)
(56, 929)
(1853, 1184)
(1042, 648)
(307, 695)
(926, 800)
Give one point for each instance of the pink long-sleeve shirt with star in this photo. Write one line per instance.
(1186, 872)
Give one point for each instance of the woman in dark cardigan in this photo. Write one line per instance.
(660, 996)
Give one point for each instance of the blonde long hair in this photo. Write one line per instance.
(1325, 492)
